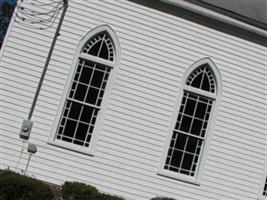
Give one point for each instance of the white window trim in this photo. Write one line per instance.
(203, 154)
(114, 65)
(262, 183)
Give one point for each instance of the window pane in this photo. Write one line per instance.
(80, 92)
(187, 161)
(95, 48)
(70, 128)
(97, 78)
(196, 127)
(190, 107)
(186, 123)
(197, 81)
(180, 141)
(75, 110)
(92, 95)
(85, 96)
(100, 46)
(205, 83)
(191, 144)
(201, 110)
(85, 75)
(202, 78)
(185, 146)
(81, 131)
(104, 52)
(176, 159)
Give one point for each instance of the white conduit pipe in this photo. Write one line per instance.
(217, 16)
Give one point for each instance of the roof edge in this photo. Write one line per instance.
(215, 15)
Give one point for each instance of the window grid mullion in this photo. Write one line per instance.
(76, 81)
(66, 117)
(84, 103)
(101, 87)
(77, 125)
(188, 134)
(102, 41)
(172, 149)
(202, 78)
(90, 124)
(89, 84)
(187, 138)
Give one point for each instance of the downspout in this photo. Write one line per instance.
(214, 15)
(27, 124)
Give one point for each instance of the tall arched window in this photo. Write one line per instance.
(95, 60)
(186, 149)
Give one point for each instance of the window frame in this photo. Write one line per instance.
(203, 153)
(262, 183)
(103, 107)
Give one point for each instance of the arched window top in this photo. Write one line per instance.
(202, 78)
(100, 45)
(95, 62)
(185, 153)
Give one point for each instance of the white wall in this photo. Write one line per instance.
(156, 49)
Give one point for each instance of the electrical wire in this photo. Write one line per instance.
(36, 14)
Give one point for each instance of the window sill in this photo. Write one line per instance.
(179, 177)
(72, 147)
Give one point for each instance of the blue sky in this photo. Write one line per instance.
(4, 21)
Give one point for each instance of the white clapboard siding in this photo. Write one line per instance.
(156, 50)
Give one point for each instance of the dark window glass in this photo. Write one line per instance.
(70, 128)
(180, 142)
(191, 144)
(176, 158)
(104, 52)
(201, 110)
(186, 123)
(80, 92)
(81, 131)
(187, 161)
(85, 75)
(197, 81)
(95, 48)
(196, 127)
(75, 110)
(205, 83)
(87, 114)
(92, 96)
(190, 107)
(97, 78)
(86, 92)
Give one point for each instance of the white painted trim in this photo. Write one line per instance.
(262, 183)
(217, 16)
(203, 154)
(93, 143)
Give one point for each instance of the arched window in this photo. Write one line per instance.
(201, 87)
(95, 60)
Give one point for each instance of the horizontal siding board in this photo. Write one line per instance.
(150, 114)
(156, 50)
(130, 103)
(170, 20)
(134, 129)
(98, 10)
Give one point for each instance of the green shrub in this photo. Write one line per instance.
(81, 191)
(162, 198)
(102, 196)
(14, 186)
(77, 191)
